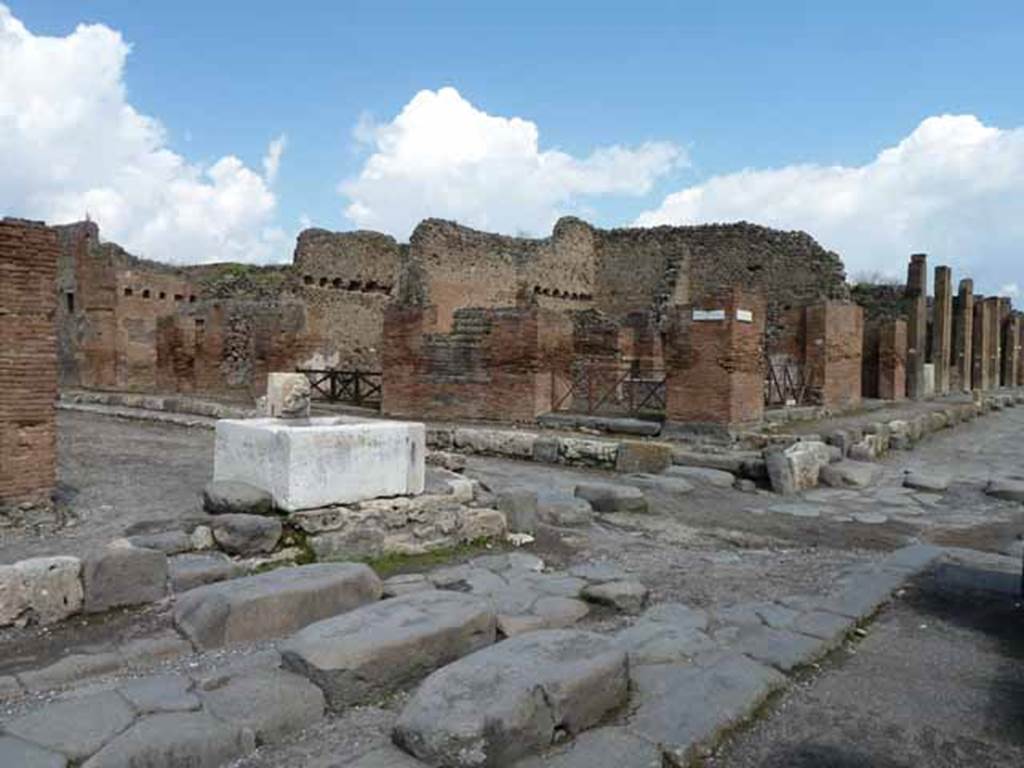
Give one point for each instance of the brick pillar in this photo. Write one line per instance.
(1011, 350)
(995, 335)
(917, 324)
(714, 360)
(942, 328)
(892, 360)
(833, 351)
(980, 344)
(28, 364)
(963, 329)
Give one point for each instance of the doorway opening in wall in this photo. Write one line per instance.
(69, 299)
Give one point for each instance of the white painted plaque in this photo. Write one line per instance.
(744, 315)
(709, 314)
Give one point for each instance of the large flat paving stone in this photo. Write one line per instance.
(513, 699)
(273, 604)
(682, 708)
(612, 747)
(271, 703)
(1006, 489)
(367, 653)
(607, 497)
(76, 728)
(174, 740)
(15, 752)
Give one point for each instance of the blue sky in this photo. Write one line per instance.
(733, 86)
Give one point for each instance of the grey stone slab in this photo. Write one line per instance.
(606, 497)
(546, 613)
(466, 578)
(69, 669)
(406, 584)
(715, 477)
(682, 708)
(520, 508)
(508, 701)
(174, 740)
(195, 570)
(385, 757)
(123, 575)
(363, 655)
(850, 474)
(246, 535)
(48, 588)
(271, 703)
(926, 481)
(598, 573)
(75, 728)
(565, 513)
(623, 596)
(610, 747)
(273, 604)
(914, 558)
(19, 754)
(160, 693)
(221, 497)
(829, 627)
(677, 613)
(870, 518)
(168, 542)
(555, 583)
(159, 647)
(662, 642)
(509, 561)
(1006, 489)
(9, 686)
(864, 594)
(778, 648)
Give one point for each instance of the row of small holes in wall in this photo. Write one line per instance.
(146, 295)
(351, 285)
(561, 294)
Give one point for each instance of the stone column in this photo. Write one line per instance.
(980, 344)
(963, 329)
(942, 328)
(1011, 350)
(995, 336)
(714, 360)
(917, 324)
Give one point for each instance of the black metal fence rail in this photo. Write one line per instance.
(361, 388)
(611, 390)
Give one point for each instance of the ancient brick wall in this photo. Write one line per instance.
(28, 362)
(834, 351)
(714, 360)
(492, 364)
(892, 360)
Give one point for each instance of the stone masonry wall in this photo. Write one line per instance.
(28, 364)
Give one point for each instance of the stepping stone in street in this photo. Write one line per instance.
(196, 569)
(624, 596)
(373, 651)
(513, 699)
(273, 604)
(924, 481)
(870, 518)
(611, 747)
(705, 475)
(606, 497)
(1006, 489)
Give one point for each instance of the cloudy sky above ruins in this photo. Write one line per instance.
(211, 131)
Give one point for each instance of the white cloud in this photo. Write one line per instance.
(954, 188)
(441, 156)
(71, 144)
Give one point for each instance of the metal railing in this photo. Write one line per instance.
(609, 389)
(362, 388)
(788, 383)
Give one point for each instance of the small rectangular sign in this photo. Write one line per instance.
(709, 314)
(744, 315)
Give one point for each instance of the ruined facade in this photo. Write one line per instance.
(28, 369)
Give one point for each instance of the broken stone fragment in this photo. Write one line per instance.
(122, 575)
(221, 497)
(605, 497)
(246, 535)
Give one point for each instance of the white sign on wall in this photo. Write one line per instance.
(709, 314)
(744, 315)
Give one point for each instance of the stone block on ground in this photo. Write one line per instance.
(665, 633)
(513, 699)
(798, 467)
(288, 395)
(273, 604)
(520, 508)
(42, 590)
(850, 474)
(565, 513)
(122, 575)
(246, 535)
(643, 456)
(926, 481)
(195, 570)
(683, 708)
(224, 497)
(406, 584)
(363, 655)
(706, 475)
(168, 542)
(271, 703)
(160, 693)
(777, 648)
(606, 497)
(173, 740)
(624, 596)
(1006, 489)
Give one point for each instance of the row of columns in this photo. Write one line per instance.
(975, 341)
